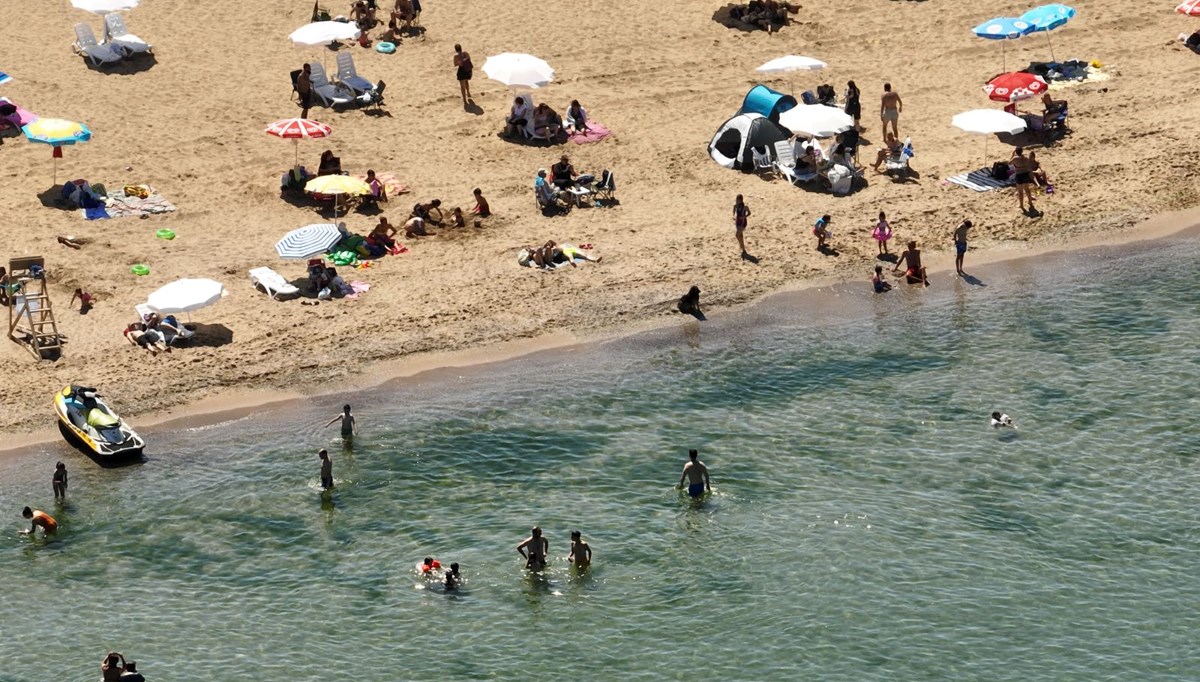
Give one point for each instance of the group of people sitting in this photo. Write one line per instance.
(553, 188)
(769, 15)
(404, 14)
(812, 158)
(326, 281)
(551, 255)
(1052, 111)
(156, 333)
(542, 122)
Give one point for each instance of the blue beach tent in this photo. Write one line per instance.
(766, 102)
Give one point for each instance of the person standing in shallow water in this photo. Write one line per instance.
(696, 475)
(534, 548)
(326, 470)
(60, 482)
(349, 425)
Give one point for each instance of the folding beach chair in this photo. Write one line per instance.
(118, 37)
(85, 45)
(899, 164)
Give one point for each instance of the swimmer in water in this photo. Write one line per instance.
(39, 519)
(581, 553)
(326, 470)
(1000, 421)
(349, 425)
(696, 474)
(452, 578)
(429, 564)
(534, 549)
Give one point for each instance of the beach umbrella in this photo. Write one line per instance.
(1003, 29)
(323, 33)
(790, 64)
(337, 185)
(1047, 18)
(816, 120)
(296, 129)
(1014, 87)
(518, 70)
(104, 6)
(56, 133)
(305, 242)
(988, 122)
(1190, 7)
(186, 295)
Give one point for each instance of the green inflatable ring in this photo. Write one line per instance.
(385, 47)
(165, 234)
(140, 270)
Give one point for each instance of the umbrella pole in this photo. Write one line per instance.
(1003, 56)
(54, 181)
(1051, 44)
(296, 144)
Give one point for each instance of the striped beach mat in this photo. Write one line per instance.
(4, 78)
(980, 180)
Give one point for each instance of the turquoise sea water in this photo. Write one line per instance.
(866, 524)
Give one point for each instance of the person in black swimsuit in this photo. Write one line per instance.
(1022, 172)
(463, 66)
(853, 105)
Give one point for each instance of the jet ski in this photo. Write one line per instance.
(83, 415)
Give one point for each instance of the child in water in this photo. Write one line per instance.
(1000, 421)
(878, 282)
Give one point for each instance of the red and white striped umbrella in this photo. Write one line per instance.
(296, 129)
(1014, 87)
(1191, 7)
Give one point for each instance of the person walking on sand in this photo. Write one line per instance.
(349, 425)
(696, 474)
(1023, 176)
(326, 470)
(580, 555)
(890, 107)
(462, 71)
(534, 549)
(39, 519)
(741, 213)
(59, 482)
(960, 245)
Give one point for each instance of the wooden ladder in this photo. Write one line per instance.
(30, 312)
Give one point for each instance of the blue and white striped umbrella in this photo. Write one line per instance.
(1003, 28)
(308, 241)
(1047, 18)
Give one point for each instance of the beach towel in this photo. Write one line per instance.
(359, 288)
(24, 115)
(594, 133)
(4, 78)
(390, 183)
(980, 180)
(122, 205)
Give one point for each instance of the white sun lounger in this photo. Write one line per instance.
(273, 283)
(323, 89)
(347, 75)
(86, 45)
(118, 37)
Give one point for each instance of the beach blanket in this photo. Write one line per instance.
(26, 117)
(980, 180)
(390, 183)
(120, 204)
(594, 133)
(359, 288)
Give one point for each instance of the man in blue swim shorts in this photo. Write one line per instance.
(960, 245)
(696, 474)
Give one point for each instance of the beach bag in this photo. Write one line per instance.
(1000, 170)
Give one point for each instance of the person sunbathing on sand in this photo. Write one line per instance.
(568, 254)
(139, 335)
(415, 227)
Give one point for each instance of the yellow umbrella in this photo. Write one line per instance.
(337, 185)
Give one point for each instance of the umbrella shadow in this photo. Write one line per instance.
(126, 67)
(1026, 138)
(211, 336)
(52, 198)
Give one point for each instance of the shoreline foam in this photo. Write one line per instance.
(228, 404)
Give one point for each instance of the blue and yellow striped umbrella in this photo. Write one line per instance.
(56, 132)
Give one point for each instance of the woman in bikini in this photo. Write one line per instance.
(1023, 175)
(463, 69)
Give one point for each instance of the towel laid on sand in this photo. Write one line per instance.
(122, 205)
(594, 133)
(980, 180)
(4, 78)
(390, 183)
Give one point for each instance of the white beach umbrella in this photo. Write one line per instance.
(186, 295)
(518, 70)
(816, 120)
(790, 63)
(104, 6)
(988, 122)
(306, 242)
(324, 32)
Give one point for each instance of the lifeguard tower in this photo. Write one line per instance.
(30, 314)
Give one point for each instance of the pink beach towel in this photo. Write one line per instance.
(24, 116)
(594, 133)
(359, 288)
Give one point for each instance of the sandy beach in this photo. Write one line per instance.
(662, 77)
